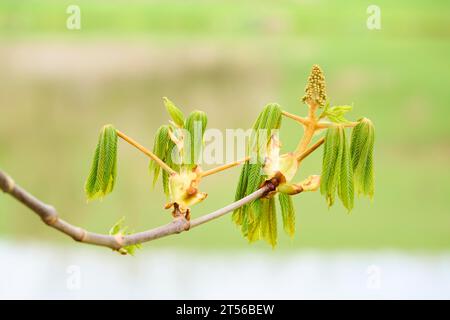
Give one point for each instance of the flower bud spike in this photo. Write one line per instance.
(315, 91)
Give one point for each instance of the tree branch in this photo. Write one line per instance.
(49, 215)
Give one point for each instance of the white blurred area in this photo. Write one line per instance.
(30, 271)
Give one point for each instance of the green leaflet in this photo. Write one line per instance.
(176, 114)
(160, 147)
(363, 140)
(337, 168)
(264, 223)
(163, 147)
(268, 221)
(172, 153)
(119, 229)
(195, 125)
(287, 213)
(102, 176)
(249, 217)
(330, 167)
(269, 120)
(336, 114)
(345, 186)
(237, 216)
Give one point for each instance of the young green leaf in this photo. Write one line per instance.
(102, 177)
(268, 221)
(337, 168)
(163, 148)
(345, 185)
(176, 114)
(252, 227)
(269, 120)
(336, 114)
(330, 164)
(195, 125)
(363, 139)
(237, 216)
(119, 229)
(287, 213)
(160, 147)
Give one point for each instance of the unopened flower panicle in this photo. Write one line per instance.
(315, 91)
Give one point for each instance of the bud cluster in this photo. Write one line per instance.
(315, 91)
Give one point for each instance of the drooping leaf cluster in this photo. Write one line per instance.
(258, 219)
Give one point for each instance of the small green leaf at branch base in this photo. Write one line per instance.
(119, 229)
(102, 177)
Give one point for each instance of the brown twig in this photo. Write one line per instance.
(49, 215)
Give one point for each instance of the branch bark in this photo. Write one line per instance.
(49, 216)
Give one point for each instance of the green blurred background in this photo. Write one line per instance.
(228, 58)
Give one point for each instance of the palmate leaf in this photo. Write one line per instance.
(336, 114)
(363, 139)
(337, 173)
(195, 125)
(287, 213)
(251, 174)
(249, 217)
(102, 177)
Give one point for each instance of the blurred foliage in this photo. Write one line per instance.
(229, 58)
